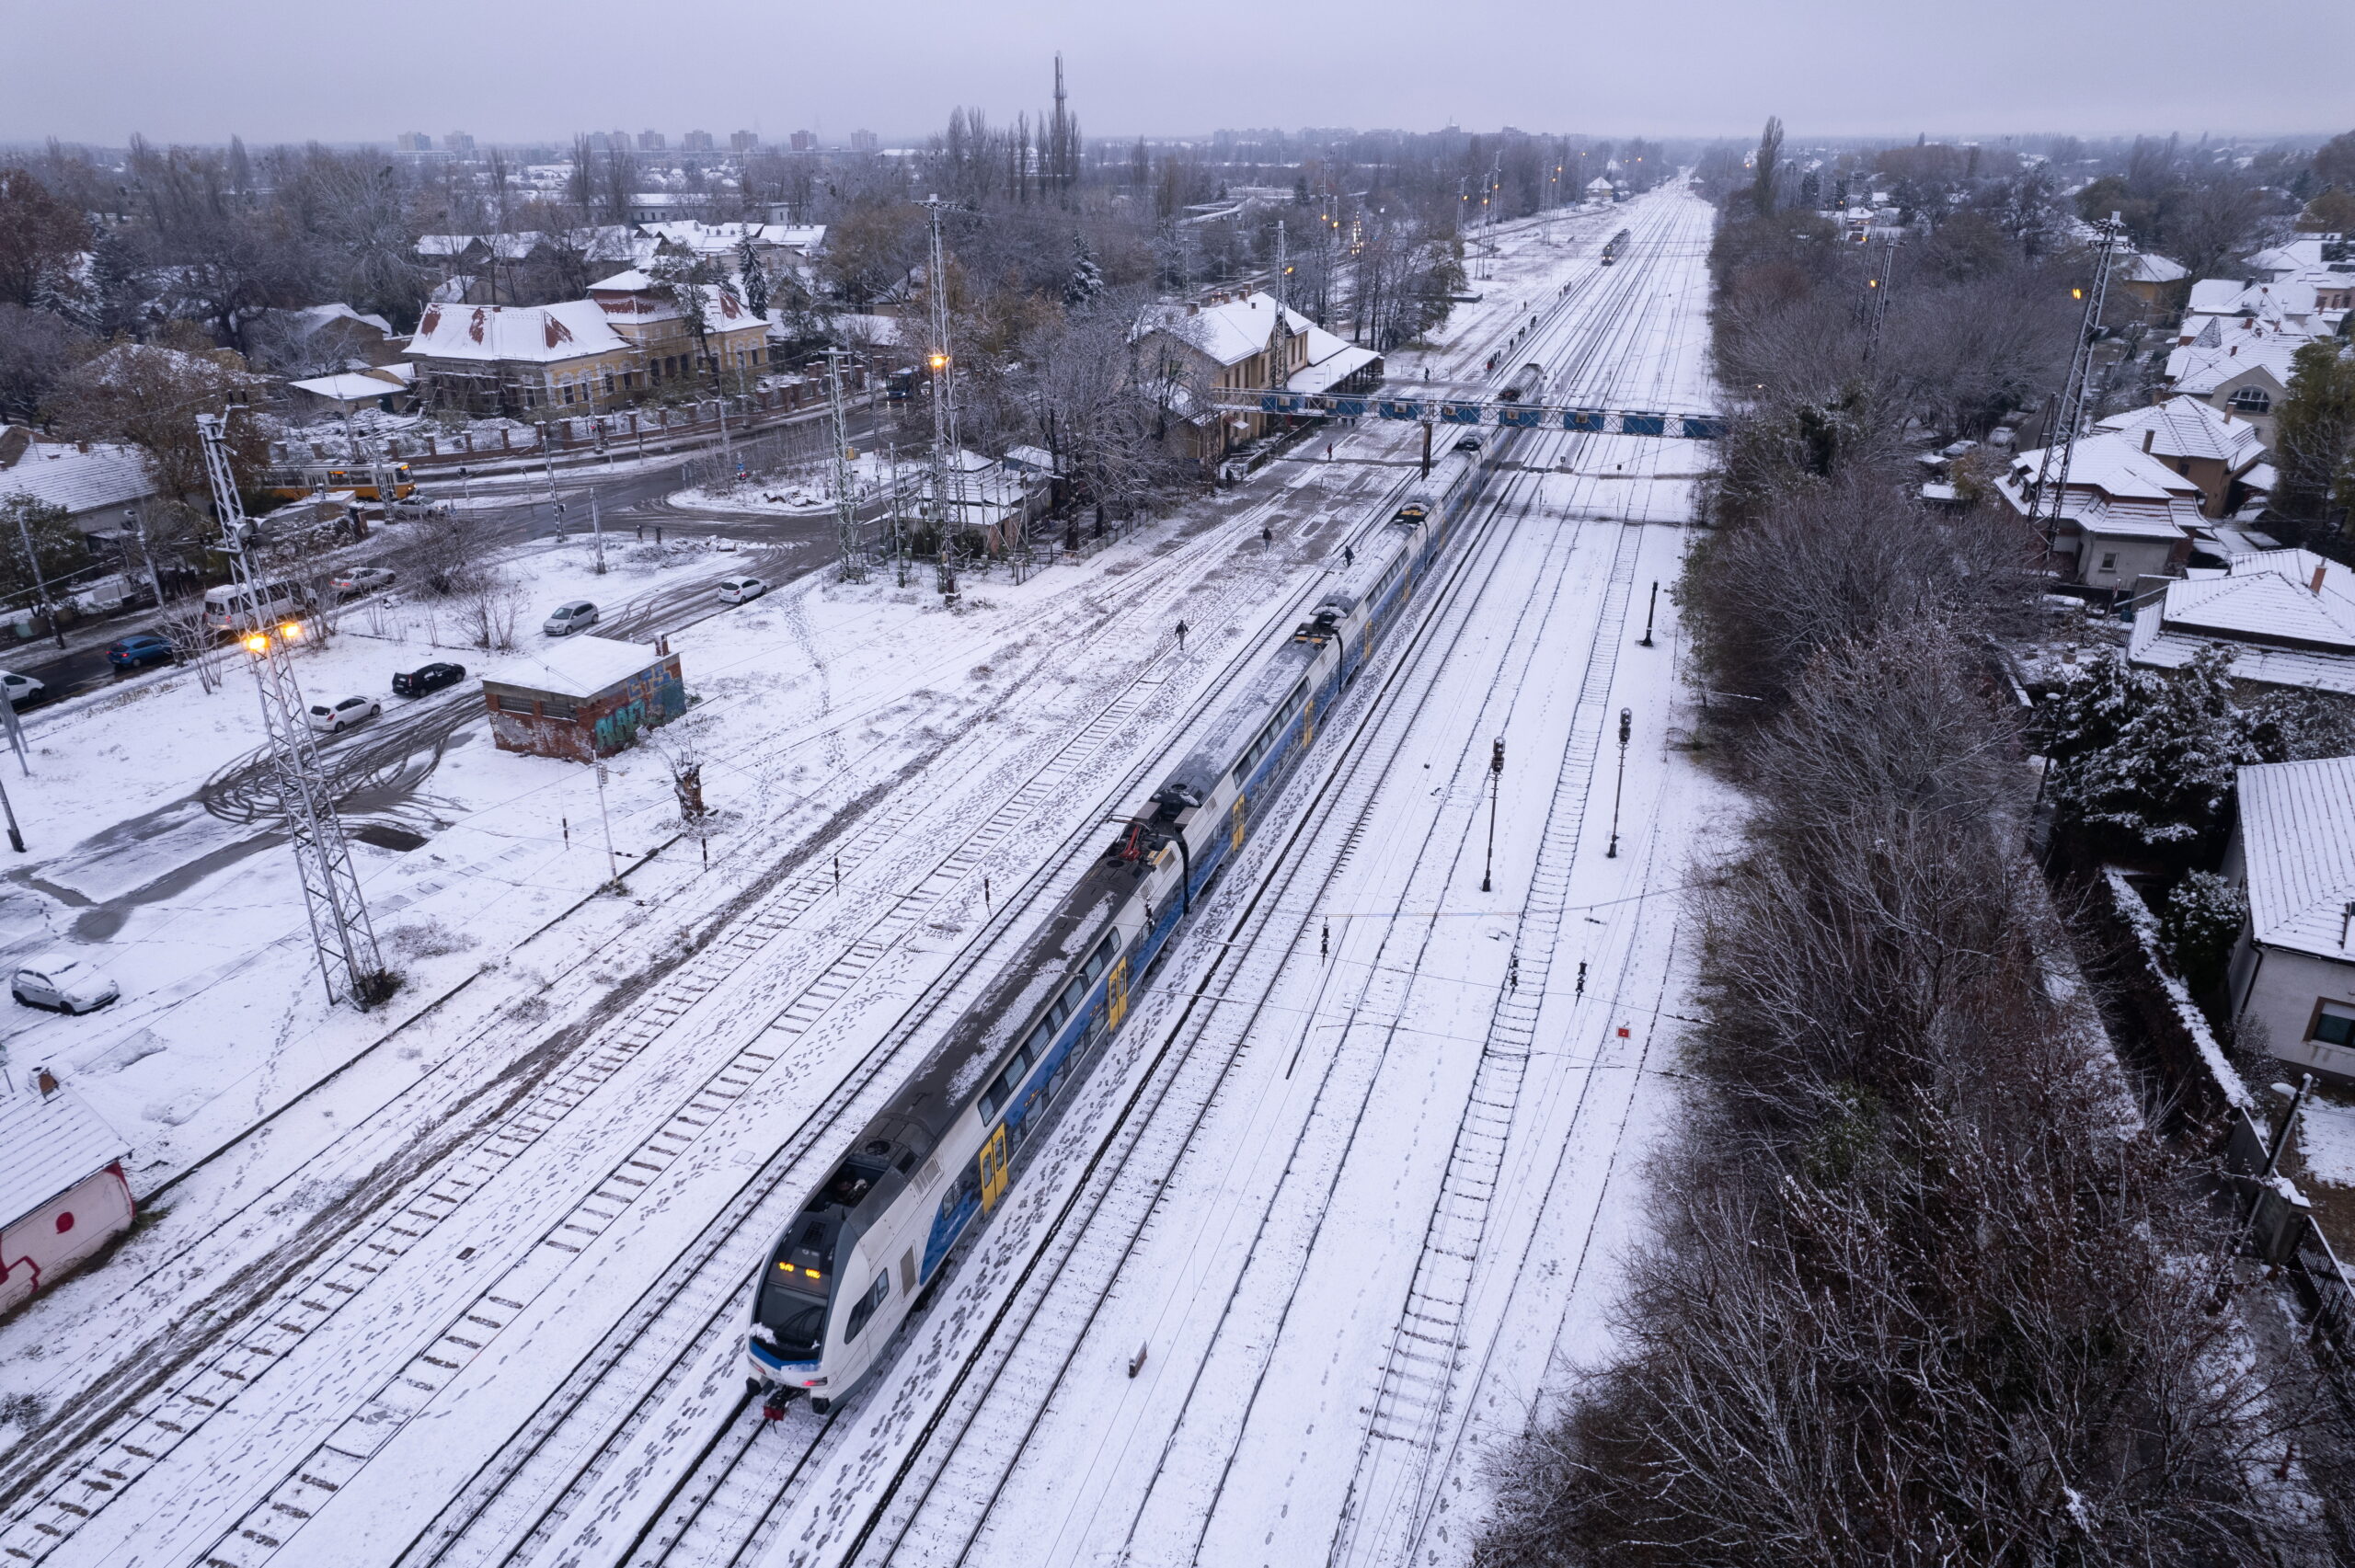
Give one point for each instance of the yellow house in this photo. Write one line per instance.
(649, 316)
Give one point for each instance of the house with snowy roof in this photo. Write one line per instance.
(2292, 976)
(2150, 280)
(2245, 373)
(1245, 343)
(63, 1192)
(2123, 514)
(2213, 449)
(2286, 616)
(92, 483)
(519, 359)
(647, 313)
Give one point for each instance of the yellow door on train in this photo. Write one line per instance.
(993, 1169)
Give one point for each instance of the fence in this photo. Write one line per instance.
(2281, 1229)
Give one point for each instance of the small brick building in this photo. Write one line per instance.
(62, 1193)
(583, 698)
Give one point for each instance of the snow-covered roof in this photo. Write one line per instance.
(2149, 269)
(581, 666)
(541, 334)
(62, 474)
(2197, 371)
(48, 1143)
(2297, 829)
(1232, 332)
(351, 387)
(2185, 426)
(1036, 457)
(445, 245)
(2288, 615)
(2294, 257)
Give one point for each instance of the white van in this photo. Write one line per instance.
(227, 610)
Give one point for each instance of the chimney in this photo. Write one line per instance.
(2321, 569)
(46, 1081)
(2146, 439)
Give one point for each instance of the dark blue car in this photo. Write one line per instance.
(134, 653)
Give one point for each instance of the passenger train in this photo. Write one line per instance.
(858, 1257)
(1616, 247)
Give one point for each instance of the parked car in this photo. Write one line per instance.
(132, 652)
(738, 590)
(427, 678)
(363, 579)
(21, 689)
(64, 982)
(577, 616)
(344, 715)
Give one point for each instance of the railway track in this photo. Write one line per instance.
(135, 1441)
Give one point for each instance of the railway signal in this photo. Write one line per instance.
(1496, 779)
(1626, 727)
(1652, 611)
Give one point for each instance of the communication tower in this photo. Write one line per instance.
(2049, 493)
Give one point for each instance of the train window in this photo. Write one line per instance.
(797, 1324)
(1101, 959)
(1075, 993)
(1041, 1038)
(864, 1308)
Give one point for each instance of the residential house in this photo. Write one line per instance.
(2151, 281)
(2247, 376)
(2292, 978)
(2286, 616)
(98, 486)
(317, 339)
(522, 359)
(63, 1192)
(2124, 515)
(645, 313)
(724, 242)
(388, 388)
(2214, 450)
(1240, 345)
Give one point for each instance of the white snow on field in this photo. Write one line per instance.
(474, 1264)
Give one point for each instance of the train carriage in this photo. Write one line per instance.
(940, 1157)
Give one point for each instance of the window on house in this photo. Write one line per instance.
(508, 704)
(2109, 560)
(567, 392)
(2252, 400)
(2334, 1024)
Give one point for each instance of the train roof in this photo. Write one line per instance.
(1207, 761)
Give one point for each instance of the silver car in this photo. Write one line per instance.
(344, 715)
(577, 616)
(64, 982)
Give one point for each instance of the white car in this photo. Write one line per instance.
(577, 616)
(344, 715)
(61, 981)
(364, 580)
(738, 590)
(21, 689)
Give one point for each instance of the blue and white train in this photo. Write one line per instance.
(858, 1255)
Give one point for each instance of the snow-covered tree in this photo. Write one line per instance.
(1087, 278)
(2147, 754)
(2200, 922)
(753, 277)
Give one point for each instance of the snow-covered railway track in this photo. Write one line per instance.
(142, 1436)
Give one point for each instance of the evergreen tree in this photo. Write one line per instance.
(2313, 433)
(1086, 279)
(753, 276)
(2146, 755)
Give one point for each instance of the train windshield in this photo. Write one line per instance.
(794, 1319)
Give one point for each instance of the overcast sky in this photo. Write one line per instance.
(289, 70)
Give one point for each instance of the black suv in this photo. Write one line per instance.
(427, 678)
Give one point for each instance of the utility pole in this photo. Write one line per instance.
(945, 515)
(613, 865)
(40, 583)
(1283, 270)
(1626, 727)
(597, 530)
(854, 567)
(1648, 614)
(134, 515)
(2047, 495)
(340, 935)
(1496, 782)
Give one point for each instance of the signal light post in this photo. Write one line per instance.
(1626, 727)
(1496, 780)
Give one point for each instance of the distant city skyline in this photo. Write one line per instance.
(275, 70)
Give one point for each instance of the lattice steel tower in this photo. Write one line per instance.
(854, 558)
(340, 935)
(2046, 497)
(947, 512)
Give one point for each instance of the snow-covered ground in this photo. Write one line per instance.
(465, 1276)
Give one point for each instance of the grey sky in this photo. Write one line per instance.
(284, 70)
